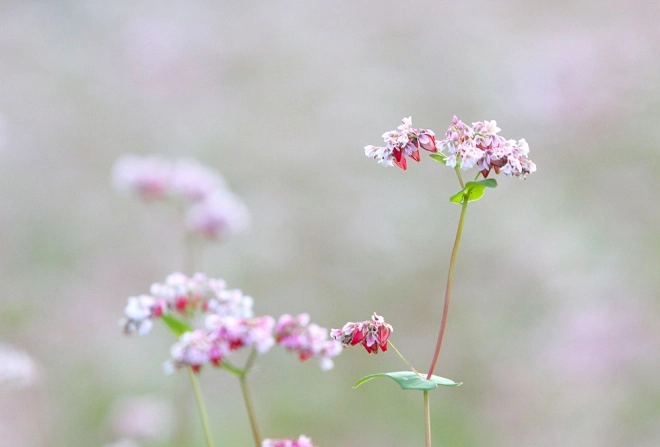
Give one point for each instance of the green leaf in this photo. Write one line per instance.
(439, 157)
(177, 326)
(473, 190)
(409, 380)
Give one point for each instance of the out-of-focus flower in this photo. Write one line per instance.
(144, 418)
(158, 177)
(481, 146)
(308, 340)
(302, 441)
(219, 215)
(223, 334)
(185, 295)
(403, 142)
(17, 369)
(372, 334)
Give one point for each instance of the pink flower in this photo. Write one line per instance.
(158, 177)
(308, 340)
(302, 441)
(218, 216)
(401, 143)
(372, 334)
(185, 295)
(481, 146)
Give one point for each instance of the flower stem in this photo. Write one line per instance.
(412, 368)
(201, 407)
(427, 418)
(248, 401)
(450, 278)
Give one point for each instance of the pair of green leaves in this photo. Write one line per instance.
(409, 380)
(473, 190)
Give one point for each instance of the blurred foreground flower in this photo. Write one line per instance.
(302, 441)
(17, 369)
(372, 334)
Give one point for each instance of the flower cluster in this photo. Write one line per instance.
(212, 211)
(221, 336)
(401, 143)
(302, 441)
(308, 340)
(372, 334)
(465, 146)
(185, 295)
(229, 323)
(481, 146)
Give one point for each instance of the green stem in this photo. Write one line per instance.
(427, 418)
(248, 401)
(450, 278)
(201, 407)
(412, 368)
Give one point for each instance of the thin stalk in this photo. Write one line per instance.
(450, 278)
(412, 368)
(248, 401)
(427, 418)
(201, 407)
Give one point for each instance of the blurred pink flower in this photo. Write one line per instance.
(308, 340)
(157, 177)
(219, 215)
(302, 441)
(185, 295)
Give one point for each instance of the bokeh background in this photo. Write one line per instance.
(553, 326)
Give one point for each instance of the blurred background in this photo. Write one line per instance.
(553, 326)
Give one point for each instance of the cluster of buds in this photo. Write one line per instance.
(308, 340)
(229, 323)
(211, 210)
(302, 441)
(401, 143)
(372, 334)
(481, 146)
(465, 146)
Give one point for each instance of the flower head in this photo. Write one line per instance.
(372, 334)
(482, 146)
(403, 142)
(219, 215)
(184, 295)
(302, 441)
(308, 340)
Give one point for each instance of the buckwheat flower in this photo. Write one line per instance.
(192, 181)
(200, 293)
(146, 177)
(302, 441)
(372, 334)
(219, 215)
(157, 177)
(139, 313)
(197, 348)
(307, 340)
(236, 333)
(403, 142)
(482, 146)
